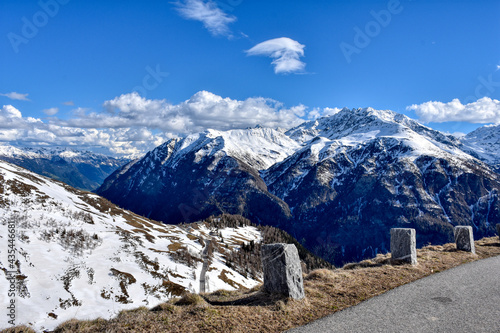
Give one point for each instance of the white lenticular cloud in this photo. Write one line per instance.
(483, 111)
(51, 111)
(213, 18)
(286, 54)
(16, 96)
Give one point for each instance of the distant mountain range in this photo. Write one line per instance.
(338, 183)
(81, 169)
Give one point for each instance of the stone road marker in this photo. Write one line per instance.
(282, 270)
(464, 239)
(404, 245)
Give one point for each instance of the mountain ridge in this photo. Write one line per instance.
(347, 180)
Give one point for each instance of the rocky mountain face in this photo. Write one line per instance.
(80, 169)
(76, 255)
(338, 183)
(362, 172)
(204, 174)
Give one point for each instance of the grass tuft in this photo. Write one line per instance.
(19, 329)
(192, 299)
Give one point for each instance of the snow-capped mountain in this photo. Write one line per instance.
(484, 143)
(80, 169)
(338, 183)
(79, 256)
(364, 171)
(204, 174)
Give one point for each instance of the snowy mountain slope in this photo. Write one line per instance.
(346, 180)
(80, 169)
(79, 256)
(354, 130)
(204, 174)
(257, 147)
(359, 125)
(484, 143)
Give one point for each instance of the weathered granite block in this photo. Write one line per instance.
(404, 245)
(282, 270)
(464, 239)
(498, 230)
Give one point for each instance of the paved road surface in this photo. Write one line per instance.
(205, 267)
(462, 299)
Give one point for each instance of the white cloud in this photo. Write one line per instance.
(458, 135)
(9, 112)
(11, 118)
(131, 105)
(16, 96)
(213, 18)
(202, 111)
(317, 112)
(30, 131)
(286, 54)
(69, 103)
(330, 111)
(51, 111)
(484, 110)
(130, 124)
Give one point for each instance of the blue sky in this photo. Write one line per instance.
(286, 60)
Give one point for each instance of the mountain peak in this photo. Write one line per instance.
(485, 143)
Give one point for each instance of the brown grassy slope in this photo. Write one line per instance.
(327, 291)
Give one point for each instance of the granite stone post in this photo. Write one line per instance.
(464, 239)
(403, 245)
(282, 270)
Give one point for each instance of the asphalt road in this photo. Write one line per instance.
(204, 267)
(461, 299)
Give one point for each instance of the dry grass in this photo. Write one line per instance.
(192, 299)
(192, 237)
(174, 247)
(173, 289)
(223, 276)
(252, 310)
